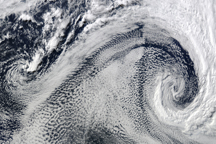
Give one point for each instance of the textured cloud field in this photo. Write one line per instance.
(107, 71)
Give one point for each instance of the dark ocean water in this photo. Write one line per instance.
(100, 72)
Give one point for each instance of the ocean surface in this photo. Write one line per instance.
(107, 72)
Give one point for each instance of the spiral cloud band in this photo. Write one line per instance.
(113, 71)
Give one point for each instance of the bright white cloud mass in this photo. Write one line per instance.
(107, 71)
